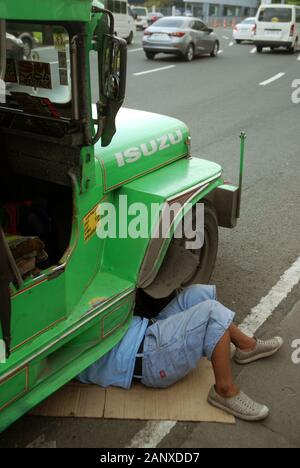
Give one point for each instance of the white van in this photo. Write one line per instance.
(141, 15)
(124, 21)
(277, 26)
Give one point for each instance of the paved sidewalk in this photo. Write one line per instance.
(275, 382)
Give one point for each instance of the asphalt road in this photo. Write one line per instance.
(217, 98)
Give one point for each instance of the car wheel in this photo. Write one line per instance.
(259, 49)
(293, 49)
(129, 39)
(150, 55)
(27, 46)
(190, 53)
(214, 52)
(238, 41)
(208, 253)
(203, 259)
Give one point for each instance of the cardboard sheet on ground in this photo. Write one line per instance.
(185, 401)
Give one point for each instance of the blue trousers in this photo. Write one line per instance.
(188, 329)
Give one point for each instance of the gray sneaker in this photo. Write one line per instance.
(240, 406)
(262, 350)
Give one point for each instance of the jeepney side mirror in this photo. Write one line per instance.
(113, 68)
(112, 83)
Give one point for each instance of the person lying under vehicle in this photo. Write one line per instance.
(162, 351)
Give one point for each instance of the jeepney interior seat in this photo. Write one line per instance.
(32, 206)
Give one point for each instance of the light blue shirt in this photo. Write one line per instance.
(116, 367)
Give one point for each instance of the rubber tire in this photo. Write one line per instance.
(150, 55)
(259, 49)
(292, 50)
(129, 39)
(238, 41)
(187, 57)
(209, 250)
(214, 52)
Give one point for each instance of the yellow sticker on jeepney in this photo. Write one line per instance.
(90, 223)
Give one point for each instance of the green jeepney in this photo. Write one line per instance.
(63, 158)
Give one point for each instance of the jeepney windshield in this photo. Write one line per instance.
(37, 74)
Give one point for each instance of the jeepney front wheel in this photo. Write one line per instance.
(207, 255)
(183, 267)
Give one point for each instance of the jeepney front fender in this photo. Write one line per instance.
(185, 183)
(224, 199)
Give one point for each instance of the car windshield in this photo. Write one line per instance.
(139, 11)
(249, 21)
(169, 23)
(37, 67)
(275, 15)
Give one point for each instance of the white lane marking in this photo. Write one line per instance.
(152, 434)
(225, 37)
(271, 301)
(231, 44)
(220, 52)
(135, 50)
(154, 70)
(270, 80)
(253, 51)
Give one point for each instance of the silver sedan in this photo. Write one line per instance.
(186, 37)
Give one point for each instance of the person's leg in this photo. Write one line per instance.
(174, 346)
(190, 297)
(225, 394)
(221, 362)
(240, 340)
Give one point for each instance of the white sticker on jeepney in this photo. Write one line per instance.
(90, 223)
(149, 148)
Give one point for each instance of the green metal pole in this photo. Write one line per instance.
(242, 163)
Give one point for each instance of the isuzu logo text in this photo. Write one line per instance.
(150, 148)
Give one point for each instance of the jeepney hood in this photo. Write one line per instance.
(144, 142)
(46, 10)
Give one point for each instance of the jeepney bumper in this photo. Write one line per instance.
(225, 200)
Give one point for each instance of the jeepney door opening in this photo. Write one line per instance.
(39, 145)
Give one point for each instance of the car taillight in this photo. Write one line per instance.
(254, 28)
(147, 33)
(235, 28)
(177, 34)
(292, 31)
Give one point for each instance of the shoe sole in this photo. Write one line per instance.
(235, 413)
(258, 356)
